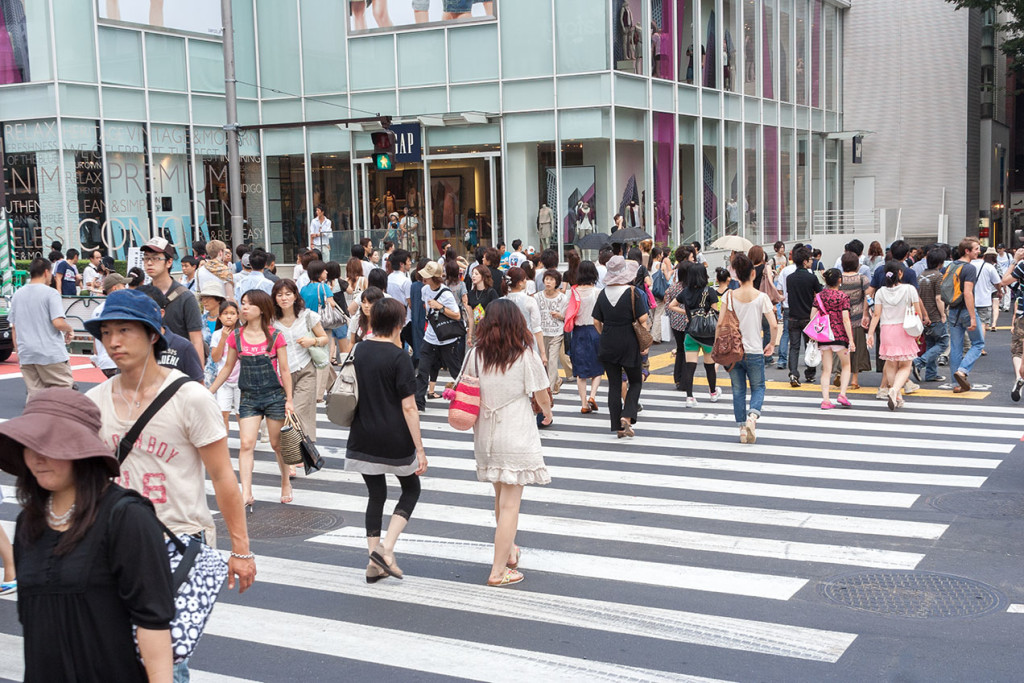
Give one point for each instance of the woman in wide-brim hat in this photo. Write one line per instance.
(87, 573)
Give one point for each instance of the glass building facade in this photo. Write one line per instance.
(691, 118)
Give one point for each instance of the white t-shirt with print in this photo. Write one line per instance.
(164, 465)
(446, 298)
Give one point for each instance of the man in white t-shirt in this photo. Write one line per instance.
(434, 353)
(92, 279)
(400, 287)
(216, 268)
(320, 234)
(517, 258)
(784, 341)
(603, 257)
(985, 288)
(183, 442)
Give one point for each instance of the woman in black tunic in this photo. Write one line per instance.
(618, 305)
(385, 434)
(87, 573)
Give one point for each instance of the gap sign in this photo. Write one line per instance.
(408, 143)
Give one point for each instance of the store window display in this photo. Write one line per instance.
(628, 46)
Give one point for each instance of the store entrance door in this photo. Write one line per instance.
(462, 201)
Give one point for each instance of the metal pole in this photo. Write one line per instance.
(231, 127)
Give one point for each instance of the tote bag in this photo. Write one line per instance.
(728, 347)
(465, 406)
(820, 329)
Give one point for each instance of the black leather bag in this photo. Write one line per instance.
(703, 321)
(445, 328)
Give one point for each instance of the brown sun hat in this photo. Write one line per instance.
(59, 423)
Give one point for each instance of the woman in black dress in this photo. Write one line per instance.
(385, 434)
(87, 573)
(618, 305)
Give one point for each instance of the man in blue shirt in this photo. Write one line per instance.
(66, 274)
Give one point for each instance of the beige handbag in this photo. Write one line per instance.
(291, 441)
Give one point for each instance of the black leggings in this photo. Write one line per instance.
(377, 487)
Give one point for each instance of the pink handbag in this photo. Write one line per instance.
(820, 329)
(465, 406)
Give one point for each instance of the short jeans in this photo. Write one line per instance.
(228, 398)
(420, 5)
(340, 332)
(690, 344)
(262, 404)
(457, 6)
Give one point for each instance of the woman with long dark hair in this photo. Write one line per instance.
(88, 573)
(302, 330)
(478, 299)
(356, 284)
(359, 326)
(385, 435)
(506, 441)
(897, 348)
(571, 274)
(586, 340)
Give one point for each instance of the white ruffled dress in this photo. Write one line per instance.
(506, 441)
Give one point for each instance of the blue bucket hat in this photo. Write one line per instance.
(130, 304)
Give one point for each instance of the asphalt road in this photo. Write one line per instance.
(849, 545)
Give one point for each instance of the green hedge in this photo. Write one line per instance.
(119, 266)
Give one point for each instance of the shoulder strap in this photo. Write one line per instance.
(124, 447)
(272, 341)
(188, 552)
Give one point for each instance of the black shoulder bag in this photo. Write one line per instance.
(446, 328)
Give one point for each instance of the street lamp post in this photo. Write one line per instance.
(231, 127)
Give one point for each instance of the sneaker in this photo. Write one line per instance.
(794, 381)
(751, 428)
(1017, 386)
(8, 587)
(843, 401)
(910, 387)
(943, 361)
(780, 366)
(916, 372)
(716, 394)
(936, 378)
(691, 402)
(962, 384)
(827, 405)
(883, 393)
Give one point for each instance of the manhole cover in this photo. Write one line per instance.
(981, 504)
(277, 521)
(921, 595)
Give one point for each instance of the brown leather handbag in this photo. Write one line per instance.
(643, 336)
(728, 347)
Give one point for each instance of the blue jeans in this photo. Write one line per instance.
(784, 341)
(936, 337)
(181, 673)
(959, 321)
(750, 368)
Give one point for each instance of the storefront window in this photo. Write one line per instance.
(128, 201)
(829, 62)
(24, 41)
(630, 169)
(332, 189)
(802, 28)
(31, 176)
(733, 181)
(817, 167)
(581, 35)
(210, 177)
(460, 200)
(684, 49)
(785, 51)
(663, 39)
(787, 178)
(750, 47)
(711, 46)
(628, 21)
(752, 195)
(816, 11)
(691, 192)
(802, 190)
(710, 183)
(286, 201)
(730, 48)
(170, 185)
(771, 231)
(768, 76)
(664, 129)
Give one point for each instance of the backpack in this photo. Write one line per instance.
(951, 288)
(659, 285)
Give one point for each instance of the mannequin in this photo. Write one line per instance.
(584, 223)
(389, 202)
(632, 215)
(655, 51)
(638, 49)
(626, 31)
(545, 220)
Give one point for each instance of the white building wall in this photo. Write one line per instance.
(905, 72)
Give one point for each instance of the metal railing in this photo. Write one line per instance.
(845, 222)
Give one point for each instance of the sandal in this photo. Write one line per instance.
(593, 404)
(515, 565)
(390, 569)
(511, 576)
(853, 386)
(586, 409)
(374, 573)
(434, 395)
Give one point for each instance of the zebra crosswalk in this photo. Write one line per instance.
(678, 555)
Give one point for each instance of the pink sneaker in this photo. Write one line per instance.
(843, 401)
(827, 405)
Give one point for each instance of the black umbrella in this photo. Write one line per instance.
(593, 241)
(629, 235)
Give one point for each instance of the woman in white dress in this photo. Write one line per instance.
(506, 442)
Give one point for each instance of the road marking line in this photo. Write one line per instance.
(418, 651)
(18, 374)
(1015, 609)
(779, 549)
(659, 506)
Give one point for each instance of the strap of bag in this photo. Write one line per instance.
(124, 447)
(188, 553)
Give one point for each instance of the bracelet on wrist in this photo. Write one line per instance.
(237, 556)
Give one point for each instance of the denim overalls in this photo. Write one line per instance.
(262, 393)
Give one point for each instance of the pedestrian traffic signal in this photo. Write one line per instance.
(384, 142)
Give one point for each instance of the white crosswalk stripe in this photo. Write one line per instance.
(683, 510)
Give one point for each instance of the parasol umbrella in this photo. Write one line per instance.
(732, 243)
(593, 241)
(629, 235)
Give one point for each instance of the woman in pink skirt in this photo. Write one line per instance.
(898, 349)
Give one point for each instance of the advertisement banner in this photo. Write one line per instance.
(193, 16)
(366, 15)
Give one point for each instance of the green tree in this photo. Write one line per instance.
(1010, 23)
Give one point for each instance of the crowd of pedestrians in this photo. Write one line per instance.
(235, 338)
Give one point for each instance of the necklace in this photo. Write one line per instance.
(132, 406)
(58, 520)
